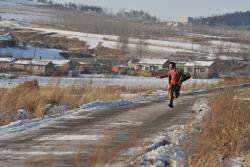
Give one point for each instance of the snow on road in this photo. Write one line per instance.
(168, 147)
(24, 126)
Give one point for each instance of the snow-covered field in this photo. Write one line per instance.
(98, 80)
(21, 10)
(112, 41)
(31, 52)
(157, 46)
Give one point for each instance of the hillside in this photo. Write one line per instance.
(237, 19)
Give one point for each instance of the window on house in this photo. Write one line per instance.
(203, 70)
(189, 69)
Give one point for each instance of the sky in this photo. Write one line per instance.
(172, 9)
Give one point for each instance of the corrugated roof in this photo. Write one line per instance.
(24, 62)
(200, 63)
(33, 62)
(40, 62)
(6, 59)
(60, 62)
(83, 63)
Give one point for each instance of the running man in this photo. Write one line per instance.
(175, 80)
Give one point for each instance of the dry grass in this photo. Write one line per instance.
(227, 81)
(233, 81)
(197, 86)
(38, 100)
(226, 131)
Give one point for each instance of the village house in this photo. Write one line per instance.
(83, 63)
(180, 64)
(7, 40)
(35, 67)
(21, 65)
(88, 58)
(85, 67)
(6, 63)
(148, 64)
(201, 69)
(42, 67)
(62, 67)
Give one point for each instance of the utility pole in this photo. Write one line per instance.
(86, 43)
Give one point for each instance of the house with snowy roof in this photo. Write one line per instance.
(148, 64)
(201, 69)
(62, 67)
(34, 67)
(5, 63)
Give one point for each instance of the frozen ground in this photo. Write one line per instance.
(21, 10)
(31, 52)
(120, 130)
(98, 80)
(86, 130)
(168, 147)
(112, 41)
(26, 125)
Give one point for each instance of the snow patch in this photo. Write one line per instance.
(60, 137)
(201, 108)
(34, 153)
(167, 149)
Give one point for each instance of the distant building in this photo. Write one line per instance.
(21, 65)
(148, 64)
(201, 69)
(35, 67)
(185, 20)
(5, 63)
(180, 64)
(42, 67)
(85, 67)
(77, 57)
(7, 40)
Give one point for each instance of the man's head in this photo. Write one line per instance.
(172, 65)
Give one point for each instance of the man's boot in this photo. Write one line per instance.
(171, 104)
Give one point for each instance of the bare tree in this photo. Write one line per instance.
(123, 44)
(141, 48)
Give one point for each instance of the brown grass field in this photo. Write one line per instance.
(38, 100)
(226, 131)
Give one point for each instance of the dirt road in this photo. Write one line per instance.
(104, 136)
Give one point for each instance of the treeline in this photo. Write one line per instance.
(237, 19)
(78, 7)
(136, 15)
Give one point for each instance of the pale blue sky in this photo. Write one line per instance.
(172, 9)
